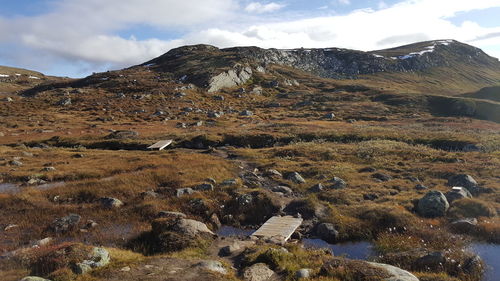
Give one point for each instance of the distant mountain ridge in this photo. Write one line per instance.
(198, 63)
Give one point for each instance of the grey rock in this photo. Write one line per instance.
(191, 228)
(171, 214)
(246, 113)
(65, 224)
(150, 194)
(183, 191)
(8, 99)
(229, 182)
(110, 202)
(33, 278)
(329, 116)
(303, 273)
(64, 102)
(282, 189)
(396, 273)
(295, 177)
(257, 90)
(258, 272)
(231, 78)
(214, 114)
(421, 187)
(99, 257)
(218, 97)
(210, 265)
(466, 181)
(433, 204)
(204, 187)
(337, 183)
(273, 173)
(316, 188)
(464, 225)
(16, 163)
(327, 232)
(457, 193)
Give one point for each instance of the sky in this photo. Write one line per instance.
(77, 37)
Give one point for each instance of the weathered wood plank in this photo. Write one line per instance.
(278, 227)
(160, 145)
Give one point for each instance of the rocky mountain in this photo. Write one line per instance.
(17, 79)
(208, 66)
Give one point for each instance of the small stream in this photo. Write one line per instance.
(490, 253)
(361, 250)
(229, 231)
(8, 188)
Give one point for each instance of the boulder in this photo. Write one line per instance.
(191, 228)
(337, 183)
(316, 188)
(329, 116)
(466, 181)
(464, 225)
(258, 272)
(303, 273)
(246, 113)
(183, 191)
(16, 163)
(229, 182)
(363, 270)
(65, 224)
(295, 177)
(98, 257)
(327, 232)
(457, 193)
(204, 187)
(110, 202)
(210, 265)
(396, 273)
(273, 173)
(433, 204)
(367, 170)
(33, 278)
(282, 189)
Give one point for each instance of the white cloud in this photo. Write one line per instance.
(256, 7)
(344, 2)
(85, 31)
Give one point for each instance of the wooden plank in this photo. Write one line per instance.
(278, 227)
(160, 145)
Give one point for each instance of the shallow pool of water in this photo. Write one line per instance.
(8, 187)
(228, 231)
(361, 250)
(490, 253)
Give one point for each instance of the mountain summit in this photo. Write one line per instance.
(199, 64)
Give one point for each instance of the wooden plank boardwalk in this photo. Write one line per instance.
(280, 228)
(160, 145)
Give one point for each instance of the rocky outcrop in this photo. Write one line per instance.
(231, 78)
